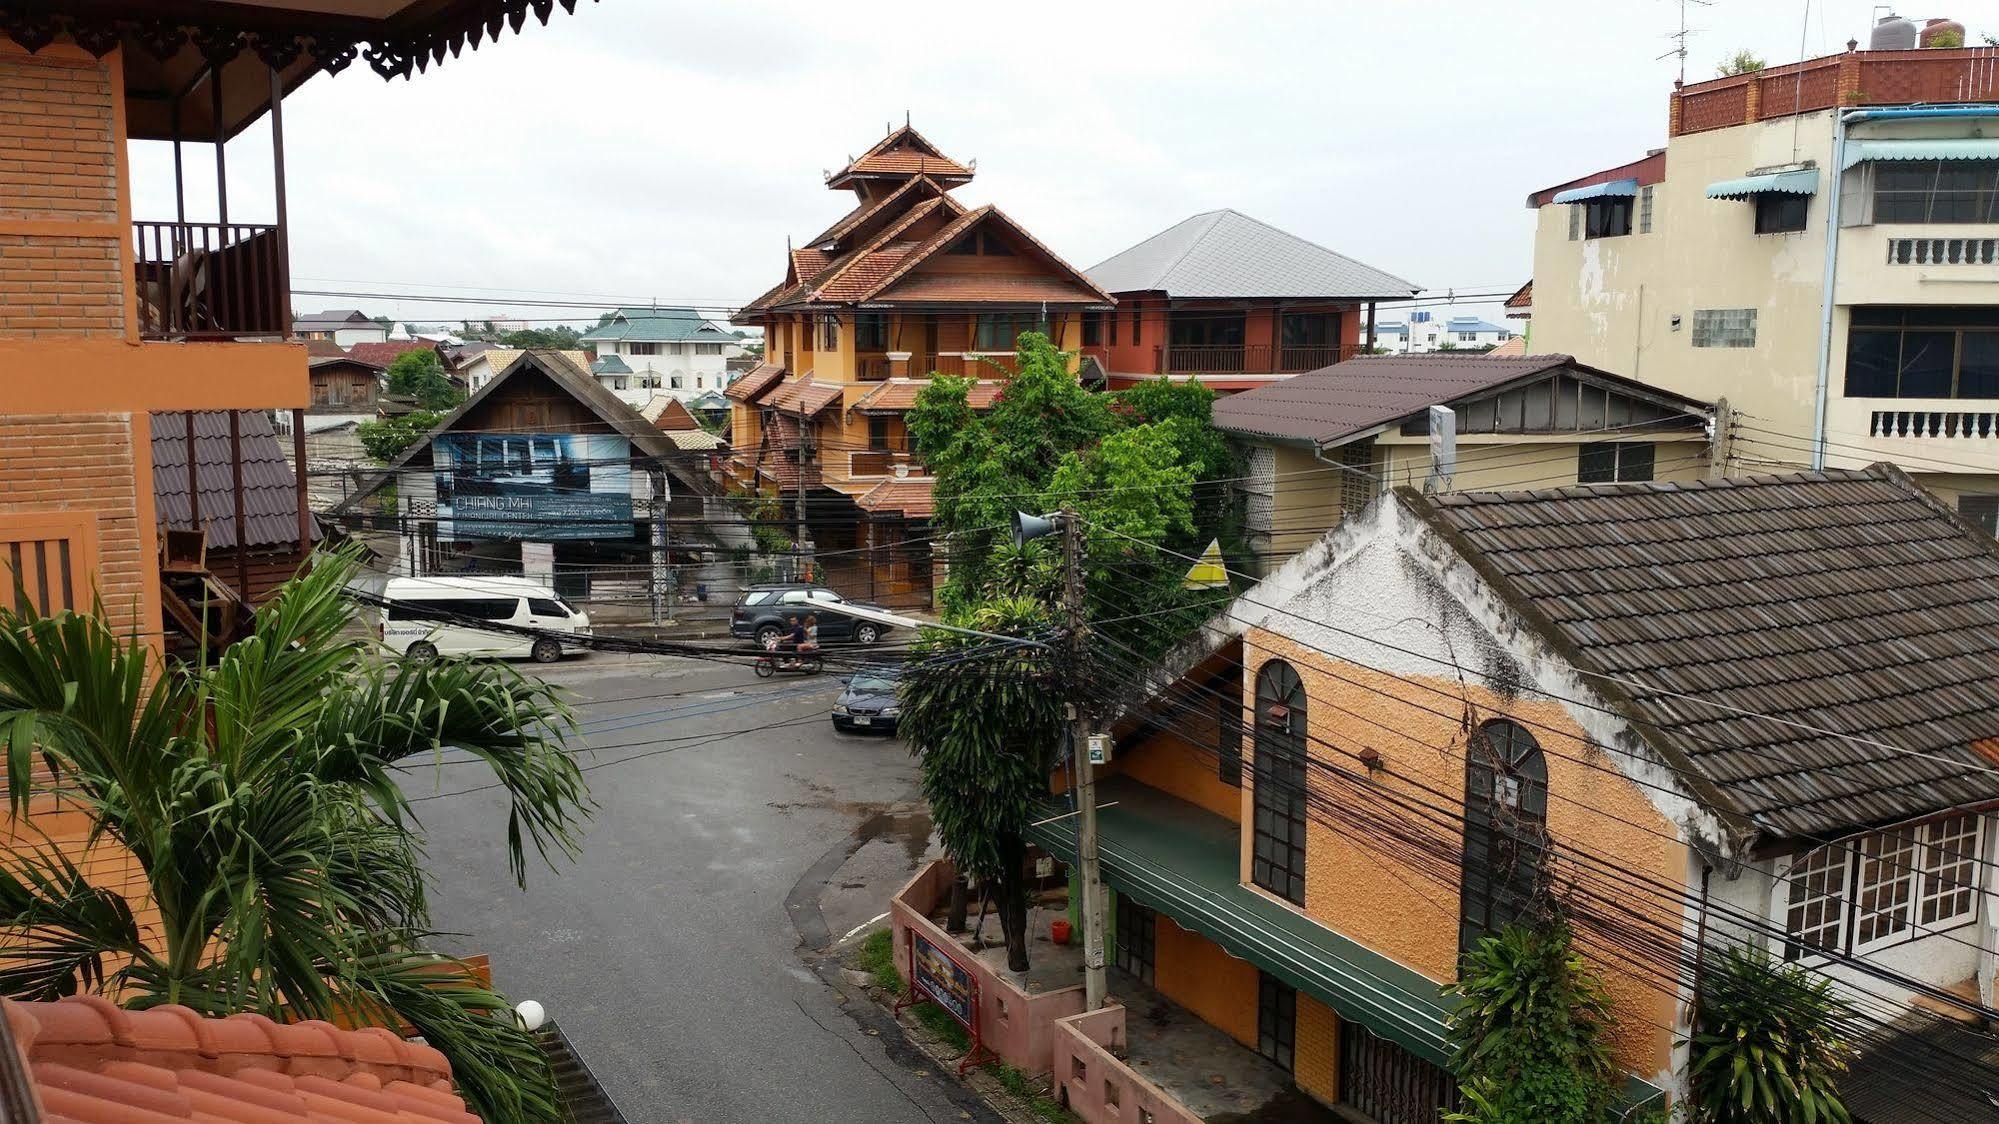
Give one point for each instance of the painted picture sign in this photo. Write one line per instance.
(938, 978)
(535, 486)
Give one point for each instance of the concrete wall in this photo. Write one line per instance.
(1018, 1026)
(1099, 1088)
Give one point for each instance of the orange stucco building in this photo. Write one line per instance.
(908, 284)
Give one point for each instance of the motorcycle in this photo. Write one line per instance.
(770, 663)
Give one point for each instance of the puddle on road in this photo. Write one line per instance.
(911, 828)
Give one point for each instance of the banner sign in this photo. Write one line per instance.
(534, 486)
(938, 978)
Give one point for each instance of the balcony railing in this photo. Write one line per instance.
(879, 462)
(205, 280)
(871, 366)
(1967, 424)
(969, 364)
(1247, 359)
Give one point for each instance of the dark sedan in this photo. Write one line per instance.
(869, 703)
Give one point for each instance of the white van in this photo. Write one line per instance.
(422, 619)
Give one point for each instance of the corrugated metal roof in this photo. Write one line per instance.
(1802, 181)
(1611, 190)
(1335, 402)
(1935, 148)
(270, 490)
(1739, 619)
(1228, 254)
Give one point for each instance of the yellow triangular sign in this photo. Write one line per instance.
(1211, 572)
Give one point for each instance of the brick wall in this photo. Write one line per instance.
(60, 168)
(1315, 1054)
(82, 462)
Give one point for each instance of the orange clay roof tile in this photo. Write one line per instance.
(900, 394)
(913, 496)
(92, 1062)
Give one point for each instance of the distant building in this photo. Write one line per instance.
(670, 349)
(1421, 336)
(1232, 301)
(1819, 243)
(344, 326)
(478, 370)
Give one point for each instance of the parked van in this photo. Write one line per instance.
(424, 618)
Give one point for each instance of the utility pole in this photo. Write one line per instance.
(1081, 731)
(1721, 444)
(662, 567)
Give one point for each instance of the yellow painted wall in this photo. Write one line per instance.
(1408, 910)
(1315, 1062)
(1195, 973)
(1183, 768)
(1305, 501)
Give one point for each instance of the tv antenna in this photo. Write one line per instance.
(1679, 37)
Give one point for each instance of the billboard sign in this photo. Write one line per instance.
(937, 977)
(538, 487)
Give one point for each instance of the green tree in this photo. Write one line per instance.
(562, 337)
(259, 797)
(984, 719)
(1769, 1045)
(1744, 61)
(1527, 1036)
(386, 439)
(419, 375)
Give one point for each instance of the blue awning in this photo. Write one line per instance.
(1938, 148)
(1804, 181)
(1611, 190)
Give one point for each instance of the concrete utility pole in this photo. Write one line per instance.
(1081, 731)
(662, 568)
(1721, 445)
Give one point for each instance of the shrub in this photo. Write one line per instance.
(1527, 1037)
(1754, 1010)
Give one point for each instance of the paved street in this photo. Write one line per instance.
(666, 952)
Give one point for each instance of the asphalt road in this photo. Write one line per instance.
(666, 951)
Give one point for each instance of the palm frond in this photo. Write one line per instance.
(62, 932)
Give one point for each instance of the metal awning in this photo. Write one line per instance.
(1614, 189)
(1938, 148)
(1803, 181)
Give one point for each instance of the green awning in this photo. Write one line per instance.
(1803, 181)
(1182, 861)
(1940, 148)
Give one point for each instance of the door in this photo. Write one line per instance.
(831, 625)
(1389, 1084)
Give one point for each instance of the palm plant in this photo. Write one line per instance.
(258, 797)
(1770, 1043)
(1528, 1036)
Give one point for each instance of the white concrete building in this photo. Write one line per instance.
(1819, 245)
(669, 349)
(1419, 336)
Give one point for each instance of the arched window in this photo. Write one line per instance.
(1506, 829)
(1277, 854)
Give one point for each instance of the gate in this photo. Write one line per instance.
(1390, 1084)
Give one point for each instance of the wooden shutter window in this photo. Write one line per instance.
(47, 561)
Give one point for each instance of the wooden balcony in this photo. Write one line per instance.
(1248, 359)
(871, 366)
(880, 462)
(210, 281)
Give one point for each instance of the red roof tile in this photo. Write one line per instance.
(751, 386)
(802, 396)
(383, 354)
(913, 496)
(324, 349)
(900, 394)
(903, 151)
(92, 1062)
(1524, 297)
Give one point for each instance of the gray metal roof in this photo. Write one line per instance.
(1228, 254)
(1818, 647)
(270, 491)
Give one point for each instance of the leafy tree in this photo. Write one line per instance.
(418, 374)
(984, 720)
(1744, 61)
(1527, 1036)
(386, 439)
(259, 798)
(1770, 1042)
(562, 337)
(384, 321)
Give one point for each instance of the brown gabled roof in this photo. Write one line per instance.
(903, 151)
(897, 395)
(887, 288)
(752, 385)
(383, 353)
(1522, 297)
(801, 397)
(1517, 346)
(1334, 403)
(1819, 647)
(860, 216)
(913, 496)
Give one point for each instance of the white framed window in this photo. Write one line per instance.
(1645, 209)
(1949, 872)
(1883, 887)
(1815, 917)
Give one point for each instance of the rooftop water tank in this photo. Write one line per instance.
(1942, 33)
(1892, 33)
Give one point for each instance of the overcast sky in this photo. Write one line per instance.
(642, 149)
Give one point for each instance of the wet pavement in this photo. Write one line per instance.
(732, 822)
